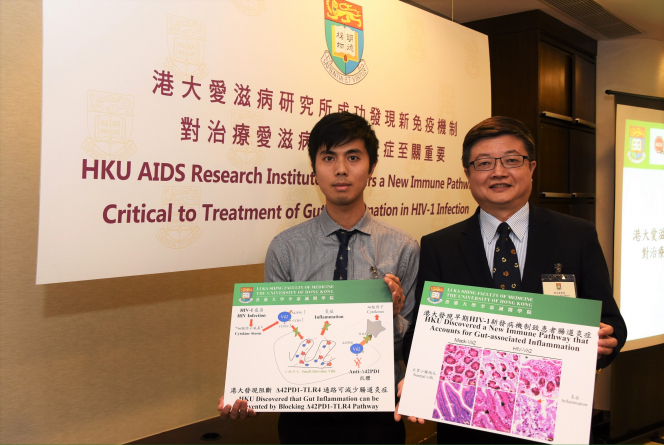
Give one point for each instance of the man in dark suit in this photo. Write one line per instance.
(498, 161)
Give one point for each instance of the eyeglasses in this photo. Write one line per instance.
(511, 161)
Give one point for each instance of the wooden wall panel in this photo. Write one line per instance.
(555, 80)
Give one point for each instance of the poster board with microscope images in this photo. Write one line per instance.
(510, 363)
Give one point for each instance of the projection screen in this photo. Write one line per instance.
(639, 228)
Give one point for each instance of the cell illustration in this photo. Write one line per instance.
(303, 353)
(540, 377)
(535, 417)
(499, 370)
(454, 402)
(301, 350)
(493, 410)
(460, 364)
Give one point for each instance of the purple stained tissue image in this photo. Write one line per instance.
(460, 364)
(454, 402)
(499, 370)
(493, 410)
(540, 377)
(535, 417)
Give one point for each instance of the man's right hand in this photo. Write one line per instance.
(239, 410)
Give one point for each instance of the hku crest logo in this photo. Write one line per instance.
(246, 154)
(436, 294)
(186, 46)
(250, 7)
(180, 230)
(246, 294)
(637, 142)
(290, 197)
(110, 123)
(344, 33)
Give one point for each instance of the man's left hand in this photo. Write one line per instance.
(398, 297)
(606, 343)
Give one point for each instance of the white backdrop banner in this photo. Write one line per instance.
(174, 133)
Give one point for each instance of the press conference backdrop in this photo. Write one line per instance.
(174, 133)
(639, 230)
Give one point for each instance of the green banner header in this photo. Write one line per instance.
(644, 145)
(514, 304)
(312, 292)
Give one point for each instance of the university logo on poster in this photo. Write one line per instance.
(436, 294)
(250, 7)
(110, 124)
(186, 46)
(180, 229)
(344, 33)
(637, 142)
(246, 154)
(246, 294)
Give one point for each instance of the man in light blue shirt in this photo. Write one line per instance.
(343, 149)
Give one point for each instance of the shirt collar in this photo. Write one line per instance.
(517, 222)
(328, 225)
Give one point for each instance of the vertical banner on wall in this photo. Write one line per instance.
(174, 133)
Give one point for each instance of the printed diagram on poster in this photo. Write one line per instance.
(314, 346)
(509, 363)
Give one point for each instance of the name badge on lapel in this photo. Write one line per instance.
(559, 284)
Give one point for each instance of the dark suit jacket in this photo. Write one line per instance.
(456, 255)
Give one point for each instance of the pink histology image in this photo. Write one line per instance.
(460, 364)
(454, 402)
(493, 410)
(540, 377)
(535, 417)
(499, 370)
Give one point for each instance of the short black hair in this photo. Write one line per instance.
(494, 127)
(341, 128)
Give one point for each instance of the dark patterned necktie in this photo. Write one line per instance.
(341, 266)
(506, 273)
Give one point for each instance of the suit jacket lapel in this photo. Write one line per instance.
(541, 239)
(473, 252)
